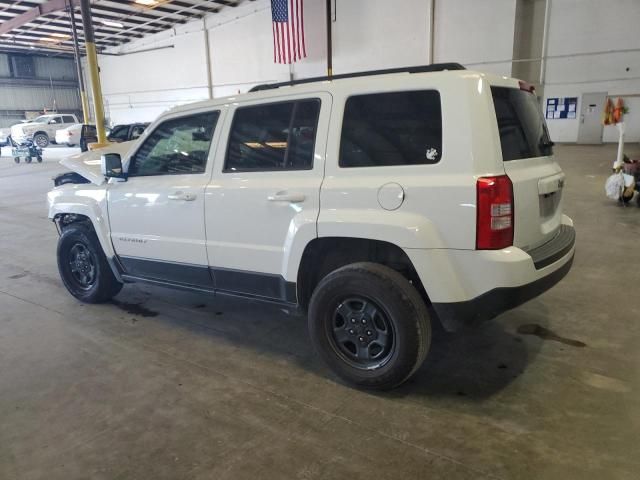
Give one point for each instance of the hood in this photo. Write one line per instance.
(88, 163)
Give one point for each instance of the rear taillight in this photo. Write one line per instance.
(494, 225)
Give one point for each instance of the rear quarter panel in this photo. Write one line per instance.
(438, 210)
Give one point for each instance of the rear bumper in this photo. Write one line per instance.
(491, 304)
(469, 286)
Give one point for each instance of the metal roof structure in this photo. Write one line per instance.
(43, 26)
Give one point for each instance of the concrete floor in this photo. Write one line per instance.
(172, 385)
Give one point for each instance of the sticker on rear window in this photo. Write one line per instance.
(432, 154)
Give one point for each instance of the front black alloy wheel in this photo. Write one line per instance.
(370, 325)
(83, 265)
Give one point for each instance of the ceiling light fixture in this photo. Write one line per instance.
(148, 3)
(110, 23)
(60, 35)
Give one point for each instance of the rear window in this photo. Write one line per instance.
(523, 131)
(398, 128)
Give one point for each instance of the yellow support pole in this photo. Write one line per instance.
(94, 73)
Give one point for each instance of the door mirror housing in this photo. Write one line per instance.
(111, 164)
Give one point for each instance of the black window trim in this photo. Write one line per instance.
(378, 92)
(204, 172)
(259, 170)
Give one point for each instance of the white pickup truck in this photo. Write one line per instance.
(377, 202)
(42, 130)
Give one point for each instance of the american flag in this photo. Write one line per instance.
(288, 30)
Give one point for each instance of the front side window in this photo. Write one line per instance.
(177, 146)
(396, 128)
(277, 136)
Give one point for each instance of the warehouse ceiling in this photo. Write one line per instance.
(115, 21)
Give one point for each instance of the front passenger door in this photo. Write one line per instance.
(157, 215)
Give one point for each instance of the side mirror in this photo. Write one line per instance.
(51, 122)
(111, 165)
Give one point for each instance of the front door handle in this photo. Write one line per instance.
(186, 197)
(286, 197)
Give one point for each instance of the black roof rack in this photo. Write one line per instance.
(435, 67)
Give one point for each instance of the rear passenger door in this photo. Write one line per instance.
(263, 202)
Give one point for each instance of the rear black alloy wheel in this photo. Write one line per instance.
(370, 325)
(83, 266)
(16, 159)
(361, 333)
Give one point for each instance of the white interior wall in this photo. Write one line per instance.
(372, 34)
(477, 34)
(375, 34)
(586, 27)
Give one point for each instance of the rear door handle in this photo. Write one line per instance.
(186, 197)
(286, 197)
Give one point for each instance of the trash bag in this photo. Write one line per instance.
(614, 186)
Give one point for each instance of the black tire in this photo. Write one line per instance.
(83, 266)
(39, 158)
(41, 140)
(397, 344)
(71, 145)
(27, 159)
(16, 159)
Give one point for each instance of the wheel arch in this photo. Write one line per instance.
(323, 255)
(67, 204)
(43, 132)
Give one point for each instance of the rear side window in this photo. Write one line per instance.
(523, 131)
(398, 128)
(68, 119)
(276, 136)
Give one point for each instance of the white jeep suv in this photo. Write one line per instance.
(377, 202)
